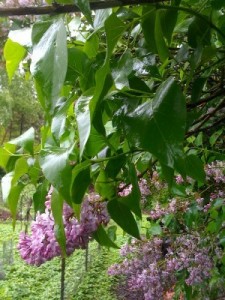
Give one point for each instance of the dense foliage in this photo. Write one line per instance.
(127, 92)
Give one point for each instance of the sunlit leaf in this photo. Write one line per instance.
(13, 53)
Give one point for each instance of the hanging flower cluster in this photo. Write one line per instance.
(41, 245)
(150, 267)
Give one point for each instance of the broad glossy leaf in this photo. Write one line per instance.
(80, 181)
(57, 209)
(58, 125)
(49, 64)
(105, 186)
(96, 142)
(158, 126)
(123, 69)
(5, 154)
(159, 39)
(25, 141)
(91, 46)
(57, 170)
(114, 166)
(133, 199)
(114, 28)
(6, 183)
(101, 236)
(148, 27)
(14, 54)
(168, 174)
(197, 88)
(199, 33)
(39, 196)
(21, 168)
(83, 120)
(195, 168)
(122, 215)
(84, 6)
(13, 199)
(168, 22)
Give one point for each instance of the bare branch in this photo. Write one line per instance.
(61, 9)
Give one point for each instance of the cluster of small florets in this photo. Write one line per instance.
(174, 206)
(17, 3)
(151, 267)
(188, 253)
(41, 245)
(215, 171)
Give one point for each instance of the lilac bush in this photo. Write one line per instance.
(188, 252)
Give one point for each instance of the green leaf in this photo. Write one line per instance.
(82, 113)
(13, 199)
(105, 186)
(197, 88)
(84, 6)
(114, 28)
(168, 174)
(58, 126)
(14, 54)
(25, 141)
(39, 196)
(101, 236)
(168, 22)
(158, 126)
(96, 142)
(114, 166)
(6, 183)
(49, 64)
(57, 170)
(122, 71)
(148, 27)
(57, 209)
(159, 39)
(122, 215)
(80, 181)
(133, 199)
(195, 168)
(199, 33)
(91, 46)
(5, 154)
(214, 137)
(155, 229)
(21, 168)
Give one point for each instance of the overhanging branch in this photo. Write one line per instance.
(61, 9)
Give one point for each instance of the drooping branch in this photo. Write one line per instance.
(61, 9)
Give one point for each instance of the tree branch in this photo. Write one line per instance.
(61, 9)
(209, 115)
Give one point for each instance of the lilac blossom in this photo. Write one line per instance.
(41, 245)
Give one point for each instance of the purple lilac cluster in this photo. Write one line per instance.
(125, 190)
(215, 171)
(174, 206)
(151, 272)
(142, 268)
(188, 253)
(16, 3)
(41, 245)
